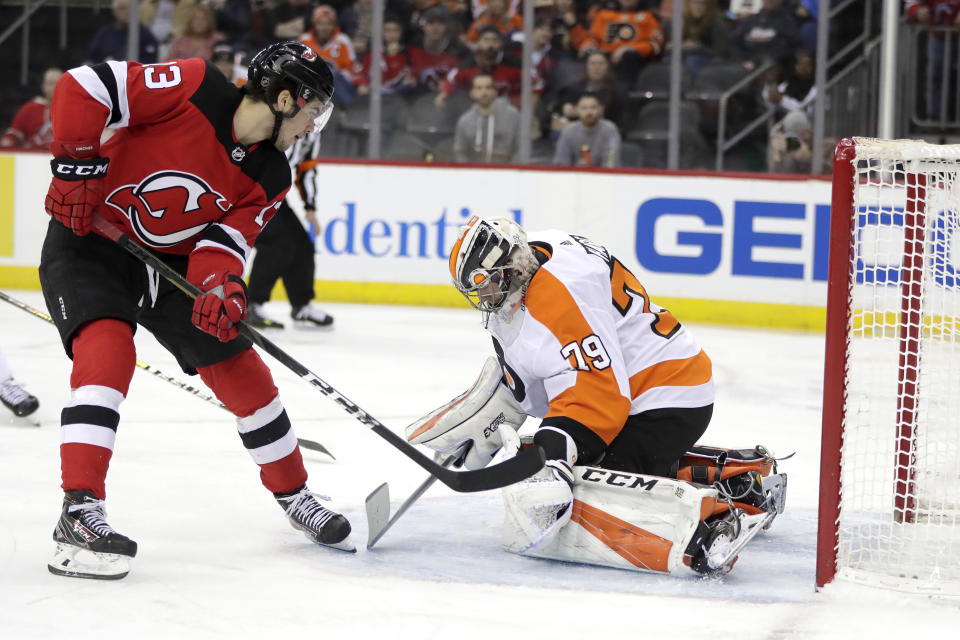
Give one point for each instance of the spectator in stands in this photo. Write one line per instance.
(933, 13)
(807, 12)
(705, 34)
(598, 80)
(199, 37)
(235, 20)
(461, 14)
(412, 12)
(544, 55)
(630, 37)
(356, 20)
(489, 132)
(336, 48)
(490, 58)
(110, 40)
(768, 35)
(361, 16)
(477, 7)
(396, 68)
(435, 52)
(291, 18)
(166, 19)
(742, 8)
(495, 14)
(592, 141)
(30, 128)
(797, 91)
(225, 58)
(791, 146)
(559, 13)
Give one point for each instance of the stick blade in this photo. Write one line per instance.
(378, 513)
(313, 445)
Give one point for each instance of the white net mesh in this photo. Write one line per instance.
(899, 520)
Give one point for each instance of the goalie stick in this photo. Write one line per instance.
(303, 442)
(510, 471)
(378, 503)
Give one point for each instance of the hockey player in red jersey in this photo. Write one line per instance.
(623, 391)
(193, 171)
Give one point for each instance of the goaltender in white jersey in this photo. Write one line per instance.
(624, 392)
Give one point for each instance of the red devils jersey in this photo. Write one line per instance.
(507, 77)
(178, 181)
(395, 68)
(431, 66)
(30, 128)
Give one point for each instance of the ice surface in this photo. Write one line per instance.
(217, 559)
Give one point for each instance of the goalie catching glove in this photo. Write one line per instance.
(476, 418)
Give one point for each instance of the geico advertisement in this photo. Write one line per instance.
(687, 236)
(716, 238)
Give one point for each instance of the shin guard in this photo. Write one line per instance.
(103, 362)
(244, 384)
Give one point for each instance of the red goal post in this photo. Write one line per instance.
(890, 452)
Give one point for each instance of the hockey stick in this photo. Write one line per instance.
(510, 471)
(306, 444)
(378, 503)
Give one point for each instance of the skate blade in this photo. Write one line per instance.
(312, 326)
(24, 421)
(344, 545)
(75, 562)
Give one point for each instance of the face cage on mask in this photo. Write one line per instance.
(498, 281)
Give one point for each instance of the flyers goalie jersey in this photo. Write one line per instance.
(183, 184)
(588, 348)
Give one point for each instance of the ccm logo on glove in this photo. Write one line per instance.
(73, 169)
(76, 191)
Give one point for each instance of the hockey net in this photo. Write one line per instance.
(890, 461)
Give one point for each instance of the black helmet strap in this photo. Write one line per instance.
(280, 116)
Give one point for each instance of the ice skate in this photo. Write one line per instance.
(257, 319)
(16, 398)
(318, 523)
(311, 316)
(87, 547)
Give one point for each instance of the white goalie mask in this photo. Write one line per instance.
(492, 264)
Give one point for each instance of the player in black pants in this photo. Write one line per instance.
(285, 249)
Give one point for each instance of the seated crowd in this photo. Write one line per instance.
(455, 65)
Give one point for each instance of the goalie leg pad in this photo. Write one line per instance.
(475, 417)
(628, 521)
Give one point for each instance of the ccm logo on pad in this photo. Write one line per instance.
(618, 479)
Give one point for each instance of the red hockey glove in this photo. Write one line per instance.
(76, 191)
(222, 306)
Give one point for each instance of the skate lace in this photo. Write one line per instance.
(93, 515)
(12, 392)
(305, 509)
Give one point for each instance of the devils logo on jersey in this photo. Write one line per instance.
(168, 207)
